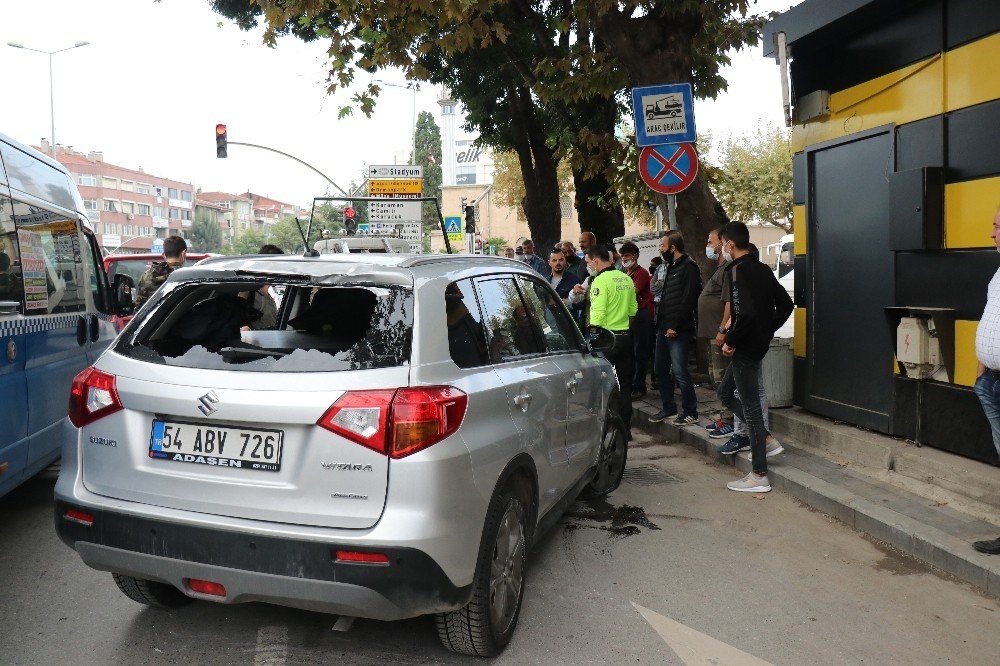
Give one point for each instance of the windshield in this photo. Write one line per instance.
(134, 269)
(243, 326)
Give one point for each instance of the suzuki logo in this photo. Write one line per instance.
(207, 403)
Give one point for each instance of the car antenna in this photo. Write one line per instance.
(305, 236)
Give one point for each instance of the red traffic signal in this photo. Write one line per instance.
(221, 141)
(349, 213)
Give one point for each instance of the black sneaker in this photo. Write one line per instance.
(659, 416)
(683, 420)
(990, 547)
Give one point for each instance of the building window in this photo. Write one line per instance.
(128, 186)
(128, 207)
(566, 207)
(87, 179)
(172, 192)
(158, 211)
(142, 209)
(110, 206)
(185, 195)
(90, 204)
(185, 215)
(109, 183)
(142, 188)
(175, 214)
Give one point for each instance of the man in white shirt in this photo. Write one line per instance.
(988, 379)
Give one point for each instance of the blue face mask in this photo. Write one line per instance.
(711, 253)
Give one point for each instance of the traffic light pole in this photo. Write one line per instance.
(348, 198)
(273, 150)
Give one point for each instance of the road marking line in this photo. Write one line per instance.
(272, 646)
(694, 647)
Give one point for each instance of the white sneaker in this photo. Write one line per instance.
(751, 483)
(772, 448)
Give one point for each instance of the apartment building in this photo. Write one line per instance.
(128, 208)
(234, 213)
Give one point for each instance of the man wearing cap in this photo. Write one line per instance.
(613, 305)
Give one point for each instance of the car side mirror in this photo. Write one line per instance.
(601, 340)
(123, 287)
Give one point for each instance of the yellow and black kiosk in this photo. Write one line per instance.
(895, 113)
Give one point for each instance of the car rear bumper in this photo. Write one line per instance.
(253, 567)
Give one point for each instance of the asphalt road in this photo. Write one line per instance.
(673, 569)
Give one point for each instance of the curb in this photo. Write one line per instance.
(920, 540)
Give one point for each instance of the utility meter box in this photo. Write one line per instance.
(912, 341)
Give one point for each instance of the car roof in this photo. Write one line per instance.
(425, 265)
(112, 258)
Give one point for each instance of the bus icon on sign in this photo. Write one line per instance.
(669, 106)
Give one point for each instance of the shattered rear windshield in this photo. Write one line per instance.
(247, 326)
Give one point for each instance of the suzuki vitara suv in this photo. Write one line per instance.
(387, 446)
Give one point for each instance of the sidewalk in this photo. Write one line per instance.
(929, 504)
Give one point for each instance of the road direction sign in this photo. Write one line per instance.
(663, 114)
(395, 171)
(393, 210)
(395, 186)
(668, 169)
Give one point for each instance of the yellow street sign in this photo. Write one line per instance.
(391, 186)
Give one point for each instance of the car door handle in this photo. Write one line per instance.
(81, 331)
(522, 400)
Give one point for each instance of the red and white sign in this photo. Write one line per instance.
(668, 169)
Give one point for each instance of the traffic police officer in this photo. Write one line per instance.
(612, 305)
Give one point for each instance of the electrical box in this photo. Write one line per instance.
(912, 344)
(918, 348)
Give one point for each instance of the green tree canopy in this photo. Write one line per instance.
(205, 234)
(755, 182)
(427, 142)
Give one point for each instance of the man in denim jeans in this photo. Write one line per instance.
(988, 380)
(675, 327)
(759, 306)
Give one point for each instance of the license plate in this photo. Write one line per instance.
(218, 446)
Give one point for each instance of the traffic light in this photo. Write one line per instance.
(221, 141)
(350, 222)
(470, 219)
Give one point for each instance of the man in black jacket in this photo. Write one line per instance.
(675, 327)
(759, 306)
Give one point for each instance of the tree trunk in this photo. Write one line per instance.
(538, 169)
(655, 51)
(606, 221)
(605, 224)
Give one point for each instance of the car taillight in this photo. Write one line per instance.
(397, 422)
(92, 396)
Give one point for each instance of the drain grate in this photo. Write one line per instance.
(649, 475)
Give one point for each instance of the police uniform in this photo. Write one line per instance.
(612, 304)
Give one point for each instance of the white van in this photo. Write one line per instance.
(55, 306)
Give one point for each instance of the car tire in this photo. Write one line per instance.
(151, 593)
(484, 626)
(611, 459)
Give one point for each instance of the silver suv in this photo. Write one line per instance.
(390, 445)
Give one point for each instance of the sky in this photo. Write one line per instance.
(157, 76)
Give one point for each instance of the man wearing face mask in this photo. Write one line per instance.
(675, 327)
(612, 306)
(710, 309)
(642, 324)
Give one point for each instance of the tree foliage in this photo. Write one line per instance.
(427, 143)
(756, 177)
(548, 79)
(206, 235)
(247, 242)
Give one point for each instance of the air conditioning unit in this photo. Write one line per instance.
(130, 216)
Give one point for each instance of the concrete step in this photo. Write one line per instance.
(932, 531)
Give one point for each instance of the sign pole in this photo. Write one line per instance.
(672, 211)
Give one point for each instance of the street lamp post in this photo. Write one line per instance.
(52, 103)
(414, 87)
